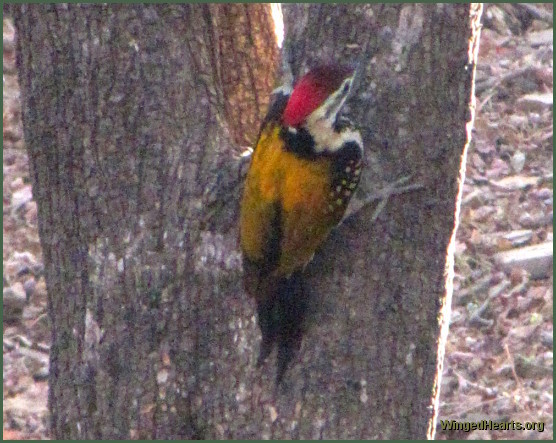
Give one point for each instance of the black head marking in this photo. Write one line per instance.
(299, 141)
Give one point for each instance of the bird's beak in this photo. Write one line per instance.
(333, 104)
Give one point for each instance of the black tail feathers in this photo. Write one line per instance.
(281, 320)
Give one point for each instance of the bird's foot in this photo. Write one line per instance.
(384, 195)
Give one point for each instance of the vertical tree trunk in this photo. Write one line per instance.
(129, 114)
(387, 285)
(124, 121)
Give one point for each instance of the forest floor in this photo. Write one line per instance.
(499, 355)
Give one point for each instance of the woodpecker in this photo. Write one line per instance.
(304, 169)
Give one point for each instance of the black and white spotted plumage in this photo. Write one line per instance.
(346, 172)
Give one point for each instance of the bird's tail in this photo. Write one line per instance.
(281, 319)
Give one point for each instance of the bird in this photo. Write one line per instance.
(304, 169)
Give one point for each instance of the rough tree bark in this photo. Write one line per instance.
(130, 131)
(385, 332)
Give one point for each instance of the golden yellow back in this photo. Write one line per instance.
(288, 196)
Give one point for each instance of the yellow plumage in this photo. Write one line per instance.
(300, 188)
(304, 170)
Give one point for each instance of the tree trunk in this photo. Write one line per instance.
(130, 116)
(387, 285)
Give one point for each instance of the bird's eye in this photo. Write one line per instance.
(345, 89)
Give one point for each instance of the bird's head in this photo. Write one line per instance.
(318, 95)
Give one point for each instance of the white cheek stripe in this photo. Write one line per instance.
(321, 127)
(328, 140)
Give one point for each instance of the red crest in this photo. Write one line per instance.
(312, 90)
